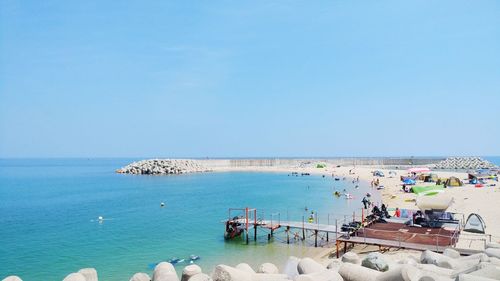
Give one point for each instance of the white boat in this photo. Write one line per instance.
(439, 202)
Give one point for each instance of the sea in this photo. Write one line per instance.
(49, 211)
(493, 159)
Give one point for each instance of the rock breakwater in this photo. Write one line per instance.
(163, 167)
(430, 266)
(464, 163)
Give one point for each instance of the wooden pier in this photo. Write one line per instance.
(384, 235)
(249, 220)
(382, 243)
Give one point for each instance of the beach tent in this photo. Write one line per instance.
(320, 165)
(431, 178)
(419, 170)
(378, 174)
(454, 181)
(438, 203)
(427, 190)
(475, 224)
(409, 181)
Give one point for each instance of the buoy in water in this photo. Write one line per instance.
(162, 204)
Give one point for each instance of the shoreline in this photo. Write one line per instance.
(467, 199)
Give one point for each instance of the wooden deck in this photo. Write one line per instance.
(292, 224)
(397, 235)
(403, 233)
(382, 243)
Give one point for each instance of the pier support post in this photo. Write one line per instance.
(337, 248)
(288, 234)
(326, 236)
(255, 232)
(315, 238)
(303, 229)
(336, 230)
(247, 237)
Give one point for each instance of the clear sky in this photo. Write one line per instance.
(249, 78)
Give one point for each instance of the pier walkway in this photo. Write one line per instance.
(236, 225)
(349, 231)
(292, 224)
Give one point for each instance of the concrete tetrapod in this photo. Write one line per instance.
(89, 273)
(268, 268)
(12, 278)
(429, 257)
(334, 265)
(325, 275)
(354, 272)
(75, 277)
(481, 256)
(165, 271)
(200, 277)
(432, 268)
(412, 273)
(140, 276)
(375, 261)
(493, 252)
(269, 277)
(245, 267)
(488, 271)
(469, 277)
(226, 273)
(452, 253)
(492, 245)
(351, 257)
(190, 271)
(291, 266)
(494, 261)
(308, 265)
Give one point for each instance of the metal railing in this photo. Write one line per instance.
(400, 237)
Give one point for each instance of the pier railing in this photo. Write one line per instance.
(403, 239)
(320, 226)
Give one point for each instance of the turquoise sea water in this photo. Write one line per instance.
(49, 211)
(493, 159)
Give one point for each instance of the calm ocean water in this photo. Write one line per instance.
(49, 210)
(493, 159)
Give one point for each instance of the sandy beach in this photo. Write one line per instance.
(467, 199)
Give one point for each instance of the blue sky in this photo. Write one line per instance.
(249, 78)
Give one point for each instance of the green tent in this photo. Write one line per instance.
(428, 190)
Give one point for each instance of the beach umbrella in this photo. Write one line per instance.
(419, 170)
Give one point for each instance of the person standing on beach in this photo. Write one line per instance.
(365, 202)
(397, 214)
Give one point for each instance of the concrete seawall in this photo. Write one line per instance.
(299, 162)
